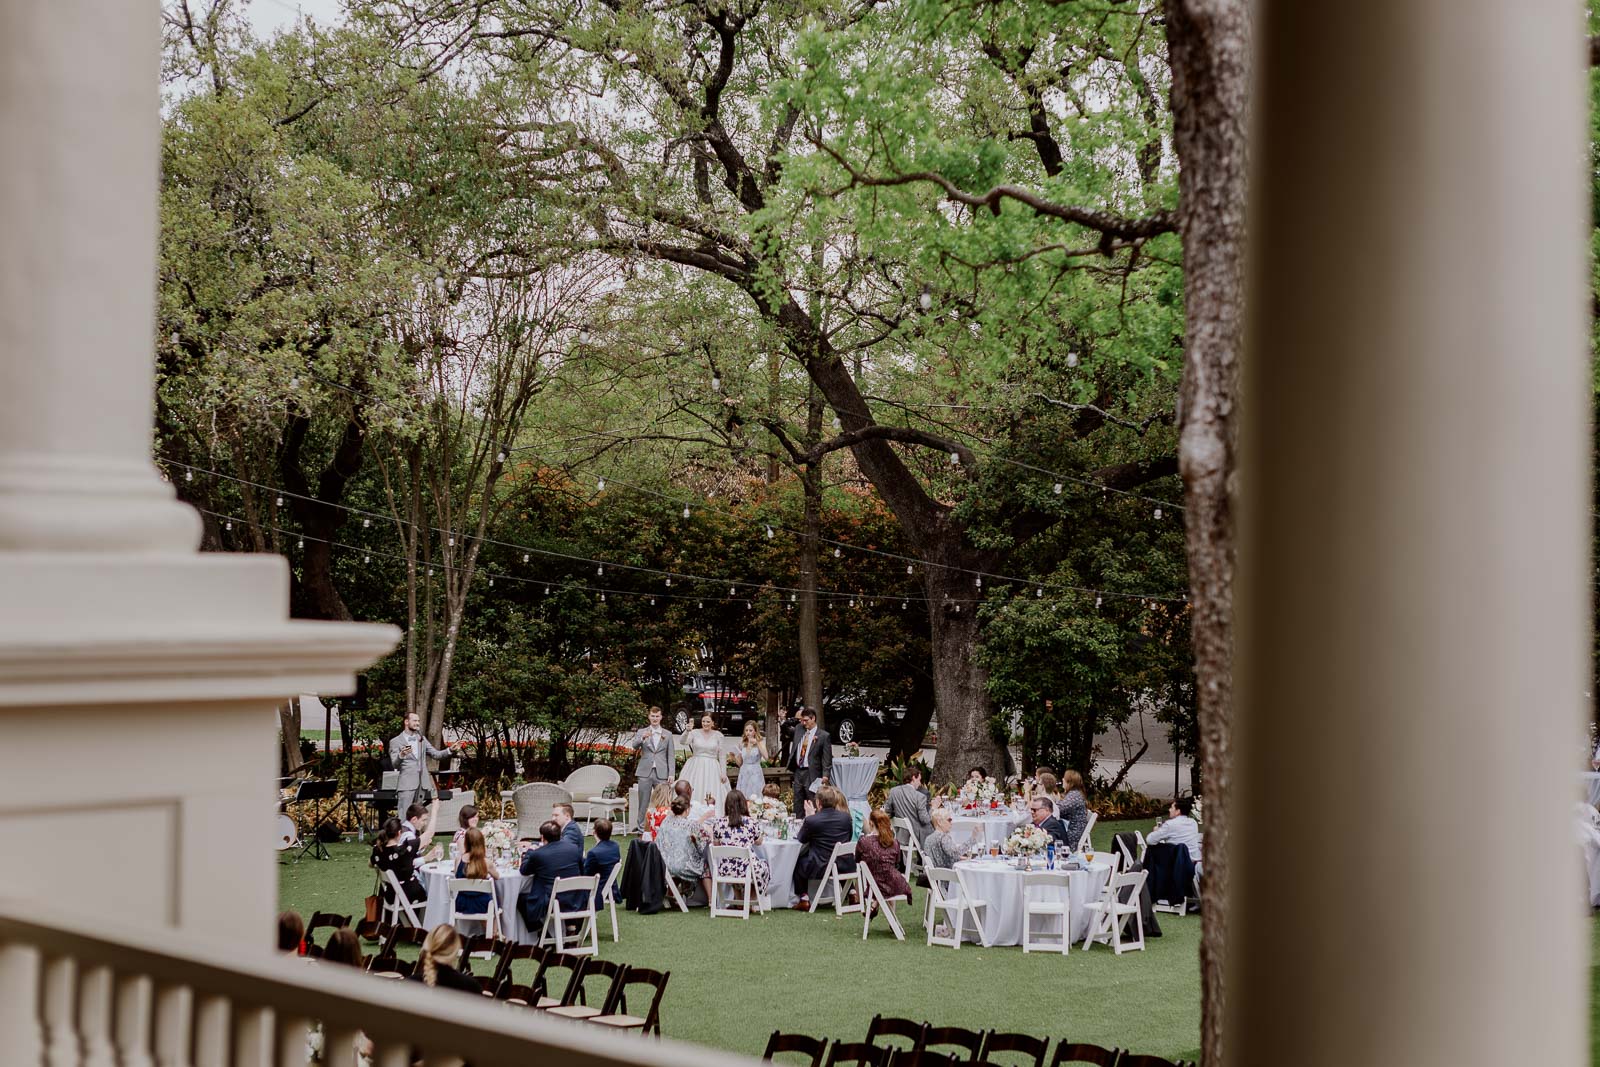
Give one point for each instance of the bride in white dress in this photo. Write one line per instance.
(705, 770)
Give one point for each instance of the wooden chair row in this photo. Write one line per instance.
(947, 1046)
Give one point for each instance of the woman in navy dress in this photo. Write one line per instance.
(474, 863)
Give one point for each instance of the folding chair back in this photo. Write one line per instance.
(1130, 1060)
(968, 1041)
(1030, 1049)
(883, 1026)
(923, 1058)
(1083, 839)
(454, 887)
(874, 902)
(400, 906)
(608, 899)
(605, 991)
(650, 1021)
(1084, 1053)
(724, 861)
(812, 1048)
(586, 940)
(1047, 894)
(947, 895)
(835, 881)
(857, 1053)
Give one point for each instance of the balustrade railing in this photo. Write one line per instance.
(85, 994)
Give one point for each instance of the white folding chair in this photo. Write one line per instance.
(491, 918)
(1083, 840)
(608, 898)
(1056, 886)
(400, 905)
(947, 894)
(910, 852)
(872, 893)
(1109, 914)
(556, 918)
(672, 891)
(1128, 858)
(836, 881)
(745, 883)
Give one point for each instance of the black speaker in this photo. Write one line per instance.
(356, 701)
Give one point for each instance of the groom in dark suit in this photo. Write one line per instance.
(811, 760)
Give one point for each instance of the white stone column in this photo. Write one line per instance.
(80, 126)
(1414, 569)
(137, 677)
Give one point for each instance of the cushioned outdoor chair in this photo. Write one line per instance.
(533, 802)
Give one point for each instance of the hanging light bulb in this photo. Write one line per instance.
(1097, 603)
(430, 572)
(1158, 513)
(979, 581)
(925, 300)
(280, 501)
(1072, 359)
(547, 590)
(524, 557)
(173, 337)
(601, 485)
(958, 609)
(769, 531)
(366, 559)
(302, 543)
(583, 337)
(686, 511)
(1039, 592)
(902, 605)
(491, 583)
(669, 581)
(1058, 489)
(366, 523)
(835, 553)
(652, 601)
(294, 382)
(452, 542)
(228, 526)
(699, 603)
(440, 287)
(716, 383)
(499, 457)
(748, 605)
(602, 598)
(732, 592)
(910, 569)
(600, 571)
(837, 425)
(188, 476)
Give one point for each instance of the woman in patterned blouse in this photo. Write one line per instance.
(735, 827)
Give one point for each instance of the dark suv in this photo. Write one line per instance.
(850, 719)
(729, 705)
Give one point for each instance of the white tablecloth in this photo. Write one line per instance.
(854, 776)
(781, 855)
(989, 829)
(508, 886)
(1001, 886)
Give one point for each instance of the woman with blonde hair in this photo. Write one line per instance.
(660, 807)
(436, 963)
(752, 754)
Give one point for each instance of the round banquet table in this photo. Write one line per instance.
(1000, 885)
(508, 886)
(854, 776)
(781, 856)
(991, 830)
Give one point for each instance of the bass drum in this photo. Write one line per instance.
(288, 833)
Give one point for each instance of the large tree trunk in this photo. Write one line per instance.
(320, 513)
(810, 538)
(960, 685)
(1208, 45)
(289, 723)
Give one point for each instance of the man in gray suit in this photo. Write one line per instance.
(409, 751)
(657, 762)
(908, 801)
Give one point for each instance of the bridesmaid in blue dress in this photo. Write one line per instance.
(752, 753)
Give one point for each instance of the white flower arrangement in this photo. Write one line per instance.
(980, 794)
(499, 835)
(1195, 813)
(765, 809)
(1026, 841)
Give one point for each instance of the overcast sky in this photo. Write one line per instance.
(268, 16)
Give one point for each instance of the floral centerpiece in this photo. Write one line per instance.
(852, 749)
(1026, 840)
(765, 809)
(980, 794)
(499, 836)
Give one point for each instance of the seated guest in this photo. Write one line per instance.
(771, 791)
(879, 852)
(437, 963)
(343, 947)
(977, 774)
(600, 860)
(1043, 813)
(858, 818)
(474, 863)
(570, 830)
(1179, 829)
(735, 827)
(553, 858)
(909, 801)
(830, 826)
(938, 850)
(397, 854)
(679, 842)
(1046, 785)
(1073, 807)
(660, 807)
(468, 820)
(291, 933)
(699, 811)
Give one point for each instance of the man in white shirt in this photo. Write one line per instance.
(1179, 829)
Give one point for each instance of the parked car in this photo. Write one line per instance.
(852, 719)
(729, 706)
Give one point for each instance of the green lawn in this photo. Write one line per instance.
(735, 981)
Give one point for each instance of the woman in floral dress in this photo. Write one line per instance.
(735, 827)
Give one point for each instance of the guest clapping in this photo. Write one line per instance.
(818, 834)
(397, 854)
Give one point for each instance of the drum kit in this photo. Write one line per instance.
(310, 790)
